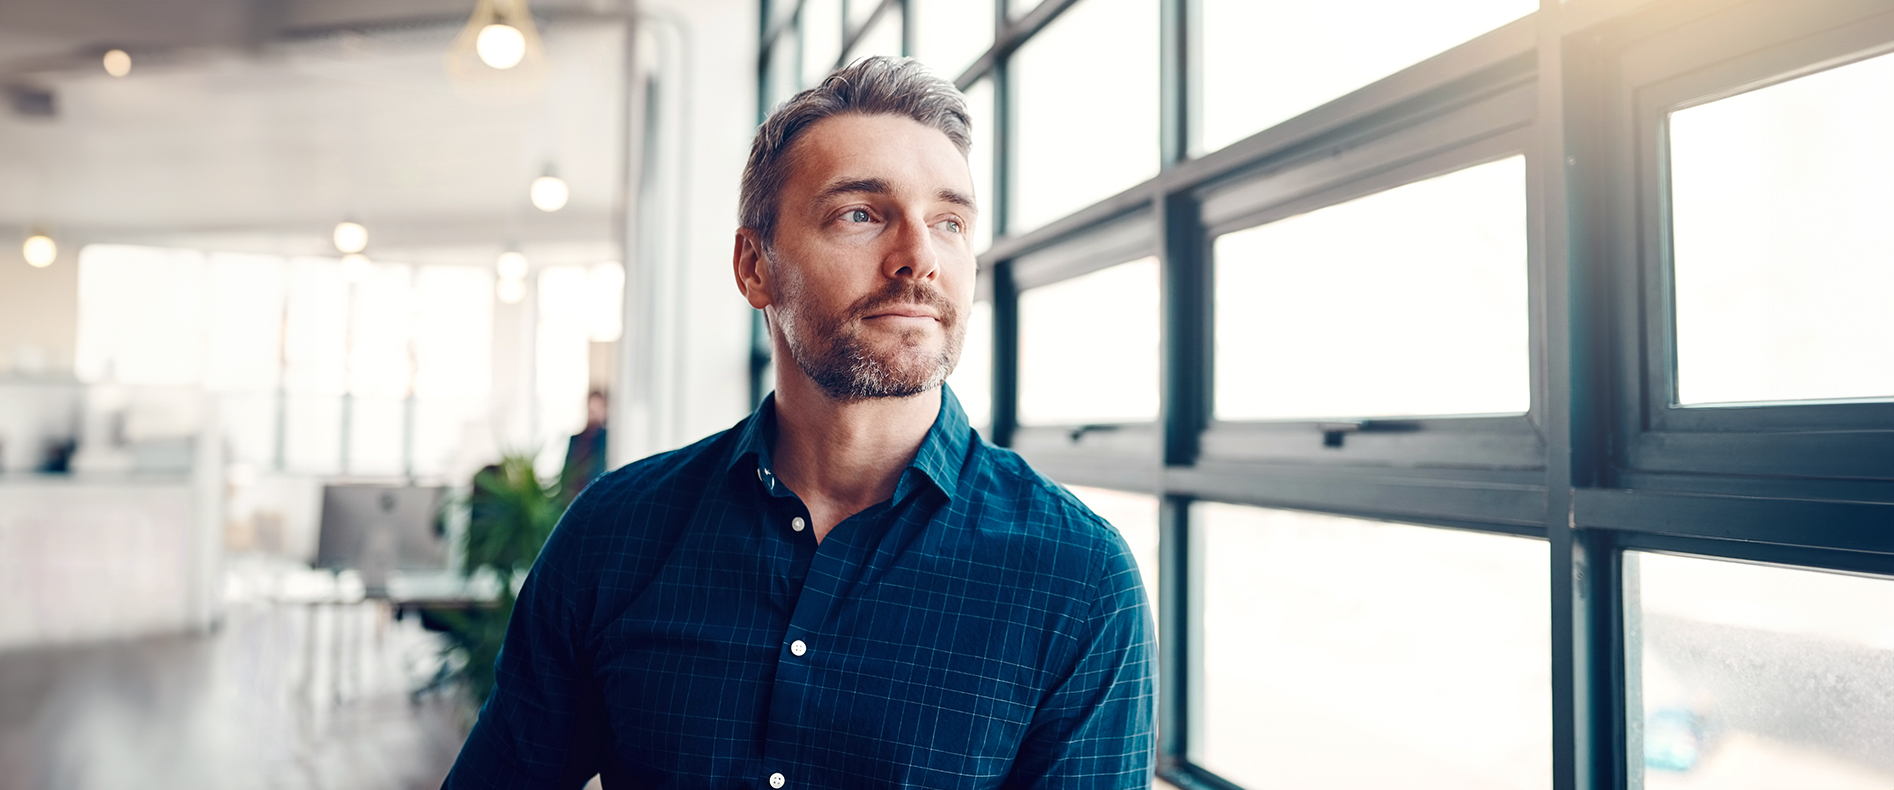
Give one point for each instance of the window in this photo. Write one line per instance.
(1747, 671)
(1086, 109)
(1347, 653)
(1781, 240)
(1407, 302)
(273, 342)
(949, 35)
(881, 37)
(1398, 360)
(1331, 48)
(1088, 348)
(972, 379)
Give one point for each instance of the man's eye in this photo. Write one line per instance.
(953, 226)
(857, 215)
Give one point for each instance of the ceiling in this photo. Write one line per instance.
(256, 125)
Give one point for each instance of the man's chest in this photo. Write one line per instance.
(920, 667)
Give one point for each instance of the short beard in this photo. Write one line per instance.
(831, 351)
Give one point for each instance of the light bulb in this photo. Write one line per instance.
(510, 291)
(501, 46)
(550, 193)
(118, 63)
(39, 250)
(351, 237)
(512, 266)
(355, 267)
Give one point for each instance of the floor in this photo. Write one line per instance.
(284, 695)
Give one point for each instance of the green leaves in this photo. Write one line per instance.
(510, 515)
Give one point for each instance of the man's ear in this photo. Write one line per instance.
(752, 269)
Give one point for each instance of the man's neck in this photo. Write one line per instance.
(842, 458)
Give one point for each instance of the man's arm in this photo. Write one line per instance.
(543, 726)
(1095, 729)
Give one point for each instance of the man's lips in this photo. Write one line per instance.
(904, 312)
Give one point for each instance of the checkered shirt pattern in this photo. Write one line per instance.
(980, 629)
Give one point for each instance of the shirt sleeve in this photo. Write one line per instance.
(1095, 730)
(543, 725)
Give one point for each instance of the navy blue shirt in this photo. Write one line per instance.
(683, 629)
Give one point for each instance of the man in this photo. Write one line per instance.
(585, 450)
(849, 589)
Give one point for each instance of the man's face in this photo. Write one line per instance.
(873, 264)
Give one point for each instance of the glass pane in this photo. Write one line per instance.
(859, 10)
(453, 331)
(1779, 210)
(561, 361)
(1341, 653)
(312, 433)
(249, 428)
(315, 340)
(1758, 677)
(972, 379)
(949, 35)
(377, 435)
(1086, 109)
(1135, 516)
(245, 323)
(142, 315)
(882, 39)
(1406, 302)
(1088, 348)
(980, 160)
(785, 73)
(1266, 62)
(381, 335)
(821, 38)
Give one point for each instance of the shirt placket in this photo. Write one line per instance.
(787, 518)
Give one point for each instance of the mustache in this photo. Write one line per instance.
(905, 292)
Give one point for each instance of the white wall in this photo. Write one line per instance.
(684, 369)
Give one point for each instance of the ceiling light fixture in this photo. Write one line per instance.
(350, 237)
(549, 191)
(512, 267)
(118, 63)
(499, 48)
(39, 249)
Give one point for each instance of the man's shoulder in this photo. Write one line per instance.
(1025, 507)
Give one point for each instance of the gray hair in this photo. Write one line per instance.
(878, 85)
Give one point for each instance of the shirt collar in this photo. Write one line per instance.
(943, 449)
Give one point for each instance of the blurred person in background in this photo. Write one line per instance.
(585, 450)
(849, 588)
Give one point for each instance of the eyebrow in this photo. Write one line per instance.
(879, 186)
(872, 186)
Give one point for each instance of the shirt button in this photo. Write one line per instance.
(798, 647)
(797, 523)
(776, 780)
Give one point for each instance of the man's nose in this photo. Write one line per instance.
(913, 253)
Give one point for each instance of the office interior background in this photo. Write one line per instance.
(1496, 392)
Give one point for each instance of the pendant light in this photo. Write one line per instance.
(498, 51)
(350, 237)
(39, 250)
(117, 62)
(549, 191)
